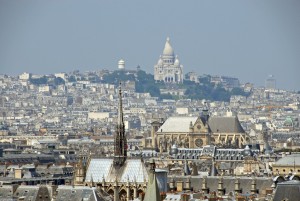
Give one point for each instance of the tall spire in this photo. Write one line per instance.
(120, 109)
(120, 152)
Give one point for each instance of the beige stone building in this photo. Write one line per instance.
(195, 132)
(287, 165)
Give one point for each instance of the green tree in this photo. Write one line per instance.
(39, 81)
(58, 81)
(116, 76)
(72, 78)
(239, 91)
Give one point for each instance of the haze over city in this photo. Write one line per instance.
(244, 39)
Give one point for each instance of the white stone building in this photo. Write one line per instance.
(168, 67)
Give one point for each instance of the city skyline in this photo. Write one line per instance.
(248, 40)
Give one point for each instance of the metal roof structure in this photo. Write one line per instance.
(132, 170)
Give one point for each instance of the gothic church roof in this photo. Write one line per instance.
(177, 124)
(225, 125)
(133, 169)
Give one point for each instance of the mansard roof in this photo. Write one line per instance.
(77, 193)
(289, 190)
(228, 182)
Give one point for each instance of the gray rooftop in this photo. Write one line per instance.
(289, 160)
(225, 125)
(77, 193)
(289, 190)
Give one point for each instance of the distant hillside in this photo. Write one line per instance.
(145, 83)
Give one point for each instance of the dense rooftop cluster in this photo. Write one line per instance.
(50, 123)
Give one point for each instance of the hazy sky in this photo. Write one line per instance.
(244, 39)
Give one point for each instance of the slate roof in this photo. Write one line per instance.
(229, 154)
(32, 193)
(209, 150)
(289, 160)
(77, 193)
(228, 183)
(289, 190)
(27, 158)
(225, 125)
(6, 191)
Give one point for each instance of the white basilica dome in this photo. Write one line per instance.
(168, 50)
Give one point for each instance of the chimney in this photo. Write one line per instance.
(187, 185)
(18, 173)
(221, 189)
(254, 190)
(172, 184)
(237, 185)
(179, 186)
(204, 185)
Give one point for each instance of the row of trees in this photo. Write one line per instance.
(45, 80)
(211, 92)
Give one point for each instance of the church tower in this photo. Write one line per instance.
(120, 149)
(80, 171)
(168, 68)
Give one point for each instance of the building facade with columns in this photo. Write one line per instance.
(168, 68)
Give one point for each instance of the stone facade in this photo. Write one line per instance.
(196, 132)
